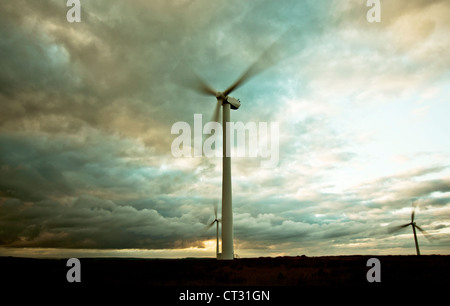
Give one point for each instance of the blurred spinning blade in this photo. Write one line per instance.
(399, 227)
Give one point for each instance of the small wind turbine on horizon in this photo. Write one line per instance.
(215, 221)
(226, 102)
(414, 226)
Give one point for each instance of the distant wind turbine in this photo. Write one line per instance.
(414, 226)
(216, 221)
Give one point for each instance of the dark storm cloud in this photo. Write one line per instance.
(58, 78)
(85, 193)
(113, 73)
(90, 222)
(37, 168)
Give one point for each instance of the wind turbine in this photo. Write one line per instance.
(217, 221)
(414, 226)
(268, 58)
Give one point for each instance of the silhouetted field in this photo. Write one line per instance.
(303, 272)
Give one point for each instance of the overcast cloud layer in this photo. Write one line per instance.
(87, 108)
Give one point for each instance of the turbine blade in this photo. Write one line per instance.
(202, 87)
(398, 227)
(216, 116)
(215, 210)
(413, 213)
(209, 225)
(424, 233)
(267, 59)
(245, 76)
(186, 77)
(206, 89)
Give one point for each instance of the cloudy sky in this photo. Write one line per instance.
(86, 167)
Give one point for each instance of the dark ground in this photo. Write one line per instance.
(292, 275)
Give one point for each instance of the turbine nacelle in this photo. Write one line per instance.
(235, 103)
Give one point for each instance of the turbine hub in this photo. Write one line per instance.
(219, 95)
